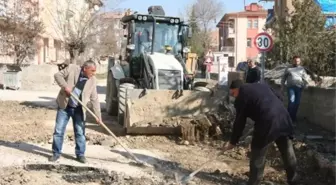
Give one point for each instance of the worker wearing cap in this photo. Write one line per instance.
(272, 124)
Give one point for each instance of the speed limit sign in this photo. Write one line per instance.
(263, 42)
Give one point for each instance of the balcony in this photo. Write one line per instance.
(229, 50)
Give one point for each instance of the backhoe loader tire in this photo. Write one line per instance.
(200, 88)
(200, 84)
(111, 95)
(122, 101)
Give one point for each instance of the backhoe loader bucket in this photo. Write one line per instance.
(163, 111)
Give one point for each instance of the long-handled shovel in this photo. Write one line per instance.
(185, 179)
(109, 131)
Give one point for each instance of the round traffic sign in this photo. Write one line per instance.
(263, 41)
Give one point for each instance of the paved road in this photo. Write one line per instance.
(44, 98)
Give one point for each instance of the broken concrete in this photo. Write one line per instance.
(323, 165)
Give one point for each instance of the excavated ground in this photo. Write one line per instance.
(41, 174)
(21, 123)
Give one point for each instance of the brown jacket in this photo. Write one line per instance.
(68, 78)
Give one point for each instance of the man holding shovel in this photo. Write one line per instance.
(80, 82)
(272, 124)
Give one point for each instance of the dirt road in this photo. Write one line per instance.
(33, 126)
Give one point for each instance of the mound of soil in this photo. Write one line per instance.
(41, 174)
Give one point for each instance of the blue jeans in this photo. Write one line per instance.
(62, 119)
(294, 97)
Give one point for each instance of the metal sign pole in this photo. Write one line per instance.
(262, 67)
(264, 43)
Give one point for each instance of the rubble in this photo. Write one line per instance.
(276, 73)
(231, 168)
(68, 175)
(323, 165)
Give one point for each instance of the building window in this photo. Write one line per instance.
(249, 24)
(249, 42)
(231, 62)
(255, 23)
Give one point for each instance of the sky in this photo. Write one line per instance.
(175, 7)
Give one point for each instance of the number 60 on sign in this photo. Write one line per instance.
(263, 42)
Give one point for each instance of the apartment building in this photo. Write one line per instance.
(237, 31)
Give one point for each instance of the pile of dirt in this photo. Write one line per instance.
(67, 175)
(233, 166)
(27, 123)
(21, 122)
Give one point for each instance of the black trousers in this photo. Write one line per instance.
(203, 70)
(258, 159)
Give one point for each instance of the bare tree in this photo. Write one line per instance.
(108, 41)
(19, 31)
(207, 11)
(203, 14)
(72, 22)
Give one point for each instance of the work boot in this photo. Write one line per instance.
(54, 158)
(81, 159)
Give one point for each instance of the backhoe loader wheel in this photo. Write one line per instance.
(200, 84)
(200, 88)
(111, 95)
(122, 101)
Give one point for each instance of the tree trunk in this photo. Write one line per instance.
(73, 55)
(19, 58)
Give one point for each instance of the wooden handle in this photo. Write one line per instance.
(106, 128)
(206, 163)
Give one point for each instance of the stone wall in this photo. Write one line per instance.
(318, 106)
(41, 77)
(36, 77)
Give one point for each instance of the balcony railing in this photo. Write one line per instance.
(228, 49)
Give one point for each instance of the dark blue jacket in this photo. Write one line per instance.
(265, 107)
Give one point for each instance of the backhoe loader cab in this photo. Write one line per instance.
(152, 67)
(155, 45)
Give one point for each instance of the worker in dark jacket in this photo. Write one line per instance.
(253, 73)
(272, 124)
